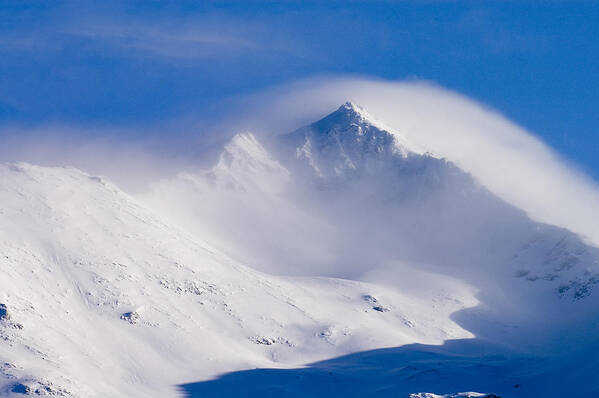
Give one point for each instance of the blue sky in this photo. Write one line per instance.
(142, 63)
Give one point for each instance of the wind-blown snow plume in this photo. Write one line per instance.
(506, 158)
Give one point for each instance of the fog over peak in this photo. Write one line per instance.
(509, 160)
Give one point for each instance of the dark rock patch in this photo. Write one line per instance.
(131, 317)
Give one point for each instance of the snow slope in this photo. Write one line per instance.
(348, 197)
(103, 298)
(397, 205)
(374, 243)
(357, 163)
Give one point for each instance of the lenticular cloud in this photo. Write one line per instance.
(506, 158)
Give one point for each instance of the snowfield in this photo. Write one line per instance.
(337, 260)
(79, 257)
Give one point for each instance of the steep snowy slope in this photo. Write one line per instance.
(426, 211)
(346, 142)
(349, 197)
(243, 206)
(100, 297)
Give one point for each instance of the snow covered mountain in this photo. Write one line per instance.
(425, 210)
(353, 199)
(346, 142)
(358, 195)
(100, 297)
(374, 242)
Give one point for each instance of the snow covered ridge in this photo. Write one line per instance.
(101, 297)
(354, 200)
(422, 209)
(350, 144)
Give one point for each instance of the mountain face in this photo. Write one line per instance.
(348, 152)
(348, 195)
(345, 143)
(349, 144)
(346, 238)
(353, 199)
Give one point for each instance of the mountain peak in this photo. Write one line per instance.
(244, 162)
(347, 140)
(350, 112)
(351, 107)
(243, 142)
(244, 152)
(354, 121)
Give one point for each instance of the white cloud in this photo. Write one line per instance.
(507, 159)
(179, 40)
